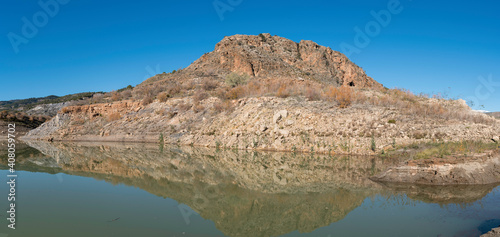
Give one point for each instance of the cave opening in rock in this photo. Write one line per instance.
(351, 83)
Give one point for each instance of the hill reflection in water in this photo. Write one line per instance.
(244, 193)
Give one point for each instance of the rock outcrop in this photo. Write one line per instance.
(47, 109)
(272, 57)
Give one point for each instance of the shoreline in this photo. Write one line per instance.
(475, 169)
(478, 169)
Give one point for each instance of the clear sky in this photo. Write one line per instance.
(67, 46)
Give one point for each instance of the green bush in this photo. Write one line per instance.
(234, 79)
(373, 146)
(262, 37)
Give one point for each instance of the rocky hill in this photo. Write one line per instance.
(273, 56)
(25, 105)
(268, 93)
(266, 56)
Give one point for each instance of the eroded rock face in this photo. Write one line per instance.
(47, 109)
(273, 56)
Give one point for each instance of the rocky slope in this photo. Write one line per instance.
(265, 123)
(47, 109)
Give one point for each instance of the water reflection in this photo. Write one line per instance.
(243, 193)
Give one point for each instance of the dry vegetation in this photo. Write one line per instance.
(235, 86)
(448, 149)
(114, 116)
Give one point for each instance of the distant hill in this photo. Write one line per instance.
(26, 104)
(21, 111)
(494, 114)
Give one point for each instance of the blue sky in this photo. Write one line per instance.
(426, 46)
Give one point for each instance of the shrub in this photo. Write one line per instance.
(254, 87)
(235, 79)
(78, 121)
(65, 110)
(174, 89)
(222, 106)
(209, 85)
(283, 92)
(114, 116)
(373, 145)
(189, 85)
(262, 37)
(183, 107)
(392, 121)
(312, 94)
(126, 94)
(199, 96)
(235, 93)
(147, 100)
(419, 135)
(115, 96)
(163, 96)
(343, 95)
(160, 138)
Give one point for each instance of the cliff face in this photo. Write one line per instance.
(273, 56)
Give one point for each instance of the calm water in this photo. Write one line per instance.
(146, 190)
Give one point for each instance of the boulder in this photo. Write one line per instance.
(279, 115)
